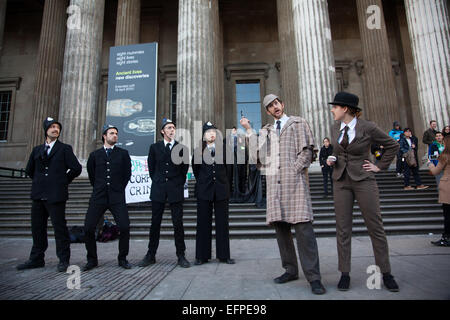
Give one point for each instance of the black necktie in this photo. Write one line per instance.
(278, 127)
(168, 147)
(46, 148)
(108, 152)
(344, 142)
(213, 152)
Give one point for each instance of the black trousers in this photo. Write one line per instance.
(327, 173)
(203, 236)
(399, 162)
(241, 177)
(120, 214)
(407, 174)
(177, 221)
(40, 211)
(446, 209)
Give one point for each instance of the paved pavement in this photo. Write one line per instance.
(421, 270)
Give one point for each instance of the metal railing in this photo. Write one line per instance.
(12, 173)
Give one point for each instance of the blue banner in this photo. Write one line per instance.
(131, 106)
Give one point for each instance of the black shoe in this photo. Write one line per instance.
(344, 283)
(125, 264)
(62, 266)
(443, 242)
(30, 265)
(148, 260)
(317, 287)
(182, 262)
(227, 261)
(200, 261)
(390, 283)
(285, 277)
(90, 265)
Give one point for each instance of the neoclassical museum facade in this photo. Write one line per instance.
(216, 61)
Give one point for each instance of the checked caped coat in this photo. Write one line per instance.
(288, 196)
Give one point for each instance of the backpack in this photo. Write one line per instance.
(109, 232)
(76, 234)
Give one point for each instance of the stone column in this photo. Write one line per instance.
(428, 24)
(380, 99)
(2, 22)
(49, 67)
(80, 84)
(219, 112)
(128, 24)
(316, 72)
(195, 65)
(288, 58)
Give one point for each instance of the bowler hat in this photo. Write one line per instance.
(208, 125)
(345, 99)
(48, 122)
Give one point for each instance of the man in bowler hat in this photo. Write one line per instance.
(109, 170)
(211, 191)
(168, 180)
(51, 166)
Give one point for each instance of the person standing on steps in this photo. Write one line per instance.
(52, 166)
(168, 181)
(354, 177)
(109, 170)
(327, 171)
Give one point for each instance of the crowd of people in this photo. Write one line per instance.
(285, 149)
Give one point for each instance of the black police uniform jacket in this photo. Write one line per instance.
(52, 174)
(109, 175)
(168, 178)
(211, 177)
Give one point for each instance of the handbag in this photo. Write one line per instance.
(410, 158)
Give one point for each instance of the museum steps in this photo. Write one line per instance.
(404, 212)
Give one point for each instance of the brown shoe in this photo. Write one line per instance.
(421, 187)
(408, 188)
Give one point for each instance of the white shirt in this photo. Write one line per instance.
(212, 145)
(172, 142)
(351, 130)
(283, 120)
(409, 141)
(50, 145)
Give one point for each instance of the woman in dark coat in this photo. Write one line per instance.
(327, 171)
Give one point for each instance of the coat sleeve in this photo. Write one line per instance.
(30, 165)
(427, 137)
(438, 169)
(151, 161)
(127, 168)
(390, 146)
(306, 147)
(72, 164)
(91, 168)
(185, 166)
(195, 167)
